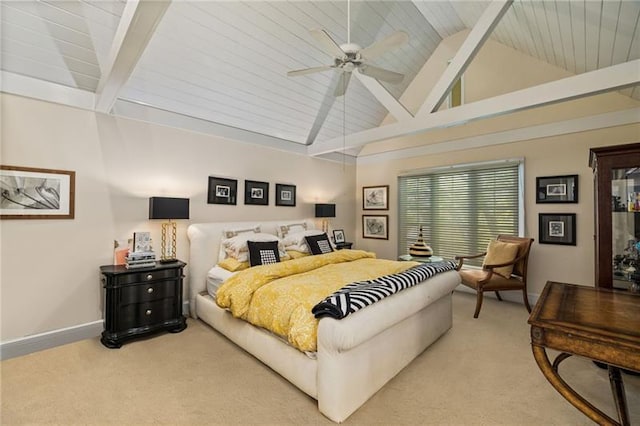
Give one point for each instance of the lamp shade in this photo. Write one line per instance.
(325, 210)
(168, 208)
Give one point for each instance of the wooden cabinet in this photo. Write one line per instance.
(617, 215)
(139, 302)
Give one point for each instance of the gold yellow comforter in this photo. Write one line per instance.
(279, 297)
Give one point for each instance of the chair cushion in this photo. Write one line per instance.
(499, 252)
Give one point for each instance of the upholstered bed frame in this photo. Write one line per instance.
(356, 356)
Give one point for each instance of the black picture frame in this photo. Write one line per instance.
(256, 193)
(557, 228)
(222, 191)
(375, 226)
(375, 197)
(338, 236)
(557, 189)
(285, 195)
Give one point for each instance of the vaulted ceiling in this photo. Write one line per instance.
(221, 66)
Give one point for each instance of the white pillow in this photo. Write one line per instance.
(230, 233)
(237, 247)
(284, 230)
(296, 241)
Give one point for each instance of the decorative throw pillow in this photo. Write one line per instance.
(233, 265)
(296, 241)
(263, 252)
(284, 230)
(498, 253)
(319, 244)
(236, 247)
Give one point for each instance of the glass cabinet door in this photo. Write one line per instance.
(625, 226)
(617, 215)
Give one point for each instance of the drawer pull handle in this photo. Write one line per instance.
(148, 312)
(149, 277)
(150, 290)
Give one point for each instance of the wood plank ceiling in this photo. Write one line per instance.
(226, 62)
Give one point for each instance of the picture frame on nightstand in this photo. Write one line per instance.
(338, 236)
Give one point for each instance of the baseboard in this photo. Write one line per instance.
(511, 296)
(49, 339)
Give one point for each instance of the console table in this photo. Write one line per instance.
(596, 323)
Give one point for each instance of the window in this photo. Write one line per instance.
(460, 208)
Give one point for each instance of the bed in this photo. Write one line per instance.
(355, 356)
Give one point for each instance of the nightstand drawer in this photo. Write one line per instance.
(141, 314)
(148, 276)
(146, 292)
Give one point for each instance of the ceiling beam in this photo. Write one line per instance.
(530, 133)
(137, 25)
(587, 84)
(387, 100)
(325, 107)
(472, 44)
(45, 90)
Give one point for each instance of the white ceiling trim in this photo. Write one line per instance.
(137, 24)
(149, 114)
(472, 44)
(45, 91)
(387, 100)
(591, 83)
(584, 124)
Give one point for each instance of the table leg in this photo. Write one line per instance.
(551, 373)
(619, 396)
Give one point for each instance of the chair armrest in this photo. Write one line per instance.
(461, 259)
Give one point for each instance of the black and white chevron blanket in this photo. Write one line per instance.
(355, 296)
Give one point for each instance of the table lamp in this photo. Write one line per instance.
(168, 208)
(324, 211)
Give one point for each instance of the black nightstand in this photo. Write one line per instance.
(340, 246)
(142, 301)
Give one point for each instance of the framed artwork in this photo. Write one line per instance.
(285, 195)
(375, 226)
(338, 236)
(222, 191)
(375, 197)
(256, 193)
(557, 189)
(30, 193)
(557, 228)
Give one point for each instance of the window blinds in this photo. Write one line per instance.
(460, 211)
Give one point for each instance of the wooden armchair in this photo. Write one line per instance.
(492, 277)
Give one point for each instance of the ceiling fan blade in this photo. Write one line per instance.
(327, 43)
(304, 71)
(380, 47)
(341, 88)
(381, 74)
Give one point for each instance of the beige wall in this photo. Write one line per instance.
(496, 70)
(49, 268)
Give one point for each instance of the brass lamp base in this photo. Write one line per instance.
(168, 248)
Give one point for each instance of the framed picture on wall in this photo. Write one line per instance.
(285, 195)
(557, 228)
(375, 226)
(557, 189)
(30, 193)
(375, 197)
(256, 193)
(222, 191)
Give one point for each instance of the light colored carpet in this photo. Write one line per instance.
(481, 372)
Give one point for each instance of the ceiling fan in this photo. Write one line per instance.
(350, 56)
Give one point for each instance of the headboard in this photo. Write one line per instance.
(204, 239)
